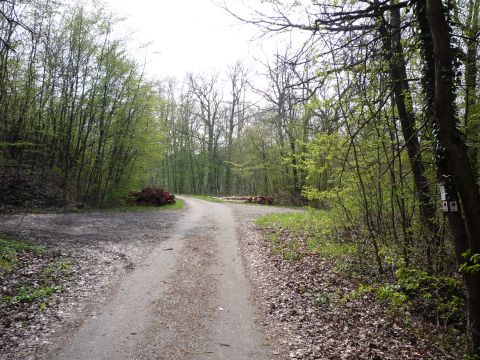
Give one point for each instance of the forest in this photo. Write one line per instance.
(373, 116)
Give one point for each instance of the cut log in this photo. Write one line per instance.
(262, 200)
(152, 197)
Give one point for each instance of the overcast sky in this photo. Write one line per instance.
(189, 36)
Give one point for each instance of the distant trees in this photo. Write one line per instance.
(221, 143)
(201, 128)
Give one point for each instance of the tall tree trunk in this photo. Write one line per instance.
(471, 123)
(394, 54)
(454, 166)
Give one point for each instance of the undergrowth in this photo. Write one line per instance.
(315, 229)
(437, 298)
(10, 249)
(46, 272)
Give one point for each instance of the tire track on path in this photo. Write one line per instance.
(188, 300)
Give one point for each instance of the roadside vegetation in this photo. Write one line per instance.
(410, 294)
(29, 276)
(179, 204)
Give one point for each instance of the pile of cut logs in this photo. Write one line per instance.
(152, 196)
(263, 200)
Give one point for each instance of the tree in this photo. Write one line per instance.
(237, 76)
(454, 165)
(367, 34)
(73, 105)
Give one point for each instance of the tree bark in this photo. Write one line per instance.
(454, 167)
(403, 100)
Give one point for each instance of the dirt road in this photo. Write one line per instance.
(188, 299)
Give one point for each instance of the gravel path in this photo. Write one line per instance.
(148, 285)
(198, 283)
(102, 248)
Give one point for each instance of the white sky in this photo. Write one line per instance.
(189, 36)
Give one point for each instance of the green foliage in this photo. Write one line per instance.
(37, 288)
(289, 248)
(360, 292)
(312, 222)
(93, 131)
(293, 222)
(317, 226)
(471, 264)
(437, 297)
(26, 294)
(331, 249)
(9, 249)
(393, 295)
(18, 144)
(321, 299)
(471, 357)
(440, 296)
(51, 271)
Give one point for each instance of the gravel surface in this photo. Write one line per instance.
(142, 285)
(102, 247)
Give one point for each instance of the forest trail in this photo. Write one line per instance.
(189, 299)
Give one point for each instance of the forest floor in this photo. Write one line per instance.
(315, 311)
(198, 283)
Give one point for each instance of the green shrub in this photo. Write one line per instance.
(393, 294)
(27, 294)
(9, 249)
(471, 264)
(439, 297)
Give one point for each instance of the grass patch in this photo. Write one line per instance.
(316, 226)
(10, 249)
(28, 294)
(207, 198)
(312, 222)
(330, 249)
(293, 222)
(57, 269)
(289, 249)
